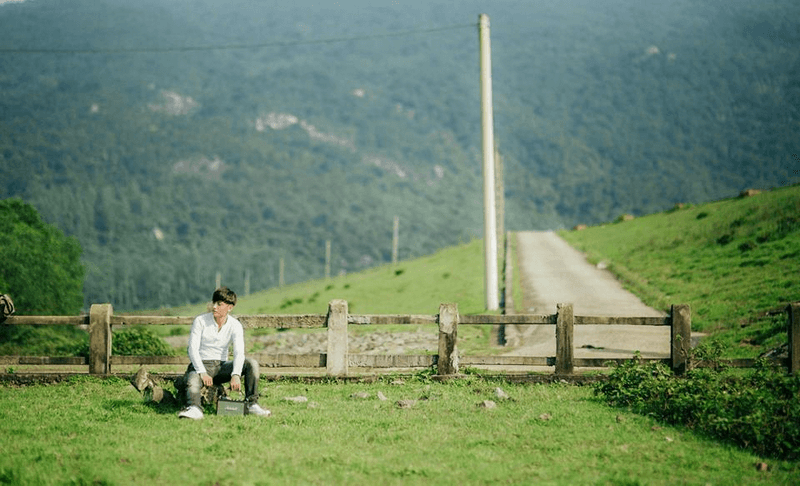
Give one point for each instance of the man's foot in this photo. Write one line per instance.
(255, 409)
(191, 412)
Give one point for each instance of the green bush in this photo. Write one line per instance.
(755, 409)
(43, 341)
(139, 341)
(72, 341)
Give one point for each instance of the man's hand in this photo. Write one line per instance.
(207, 380)
(236, 382)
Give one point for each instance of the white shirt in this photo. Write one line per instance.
(207, 341)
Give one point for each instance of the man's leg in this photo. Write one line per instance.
(251, 374)
(193, 386)
(194, 383)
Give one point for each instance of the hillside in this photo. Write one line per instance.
(733, 261)
(177, 140)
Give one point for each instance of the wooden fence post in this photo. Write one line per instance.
(100, 339)
(794, 337)
(447, 362)
(336, 362)
(680, 337)
(564, 331)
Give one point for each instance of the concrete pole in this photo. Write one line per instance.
(280, 273)
(327, 259)
(395, 239)
(489, 210)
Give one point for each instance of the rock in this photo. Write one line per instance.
(545, 417)
(360, 395)
(499, 393)
(487, 404)
(297, 399)
(398, 382)
(382, 397)
(749, 193)
(160, 395)
(406, 403)
(211, 394)
(141, 381)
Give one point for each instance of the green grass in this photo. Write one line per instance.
(411, 287)
(734, 261)
(730, 260)
(90, 431)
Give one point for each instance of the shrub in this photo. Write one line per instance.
(139, 341)
(756, 409)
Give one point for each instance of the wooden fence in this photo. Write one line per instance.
(337, 361)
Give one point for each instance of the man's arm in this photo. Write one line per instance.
(238, 348)
(238, 356)
(193, 349)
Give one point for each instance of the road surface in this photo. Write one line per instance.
(553, 272)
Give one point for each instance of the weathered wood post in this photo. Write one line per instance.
(565, 323)
(794, 337)
(100, 339)
(680, 337)
(447, 362)
(336, 362)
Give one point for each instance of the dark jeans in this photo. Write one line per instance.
(221, 371)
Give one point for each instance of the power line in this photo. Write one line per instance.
(263, 45)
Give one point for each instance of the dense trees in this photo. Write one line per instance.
(165, 167)
(41, 268)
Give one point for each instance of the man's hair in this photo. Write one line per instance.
(224, 294)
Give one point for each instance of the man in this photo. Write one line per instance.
(209, 341)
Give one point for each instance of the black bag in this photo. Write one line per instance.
(6, 307)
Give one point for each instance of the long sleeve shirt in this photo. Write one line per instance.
(207, 341)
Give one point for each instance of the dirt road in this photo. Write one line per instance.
(553, 272)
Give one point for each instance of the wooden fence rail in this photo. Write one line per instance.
(337, 360)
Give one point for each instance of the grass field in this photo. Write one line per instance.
(733, 261)
(93, 431)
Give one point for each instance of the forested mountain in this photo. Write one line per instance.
(177, 139)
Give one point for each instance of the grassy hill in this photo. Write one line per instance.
(735, 261)
(411, 287)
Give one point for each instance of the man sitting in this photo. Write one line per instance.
(209, 341)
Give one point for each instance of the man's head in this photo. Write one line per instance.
(223, 301)
(224, 294)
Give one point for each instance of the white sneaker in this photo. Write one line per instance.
(255, 409)
(191, 412)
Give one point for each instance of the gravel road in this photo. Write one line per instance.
(553, 272)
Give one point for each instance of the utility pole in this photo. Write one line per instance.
(395, 239)
(327, 259)
(487, 125)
